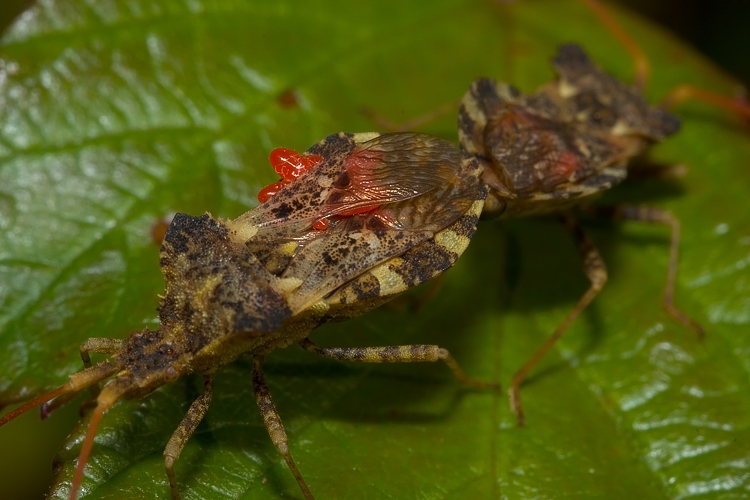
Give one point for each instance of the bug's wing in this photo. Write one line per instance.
(528, 148)
(336, 257)
(359, 172)
(528, 151)
(383, 194)
(353, 245)
(390, 168)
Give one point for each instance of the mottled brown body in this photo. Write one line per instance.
(266, 279)
(561, 146)
(568, 141)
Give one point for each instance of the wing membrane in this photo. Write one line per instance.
(413, 186)
(359, 173)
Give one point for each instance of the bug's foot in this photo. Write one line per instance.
(514, 397)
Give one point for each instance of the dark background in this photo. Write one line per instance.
(719, 29)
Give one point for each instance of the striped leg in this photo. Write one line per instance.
(176, 443)
(416, 353)
(596, 272)
(274, 425)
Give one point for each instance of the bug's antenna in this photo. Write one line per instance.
(37, 401)
(108, 397)
(76, 383)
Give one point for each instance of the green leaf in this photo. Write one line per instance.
(115, 114)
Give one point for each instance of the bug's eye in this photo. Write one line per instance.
(171, 373)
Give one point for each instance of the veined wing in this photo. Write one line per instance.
(390, 193)
(355, 244)
(358, 174)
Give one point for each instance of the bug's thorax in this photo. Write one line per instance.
(569, 140)
(219, 301)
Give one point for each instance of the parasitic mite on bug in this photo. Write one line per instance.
(514, 328)
(289, 165)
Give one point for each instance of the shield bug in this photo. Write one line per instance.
(247, 286)
(559, 147)
(565, 144)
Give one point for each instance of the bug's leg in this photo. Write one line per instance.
(686, 92)
(642, 69)
(642, 66)
(274, 425)
(99, 346)
(385, 124)
(596, 272)
(397, 354)
(176, 443)
(653, 215)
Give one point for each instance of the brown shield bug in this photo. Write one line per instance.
(354, 222)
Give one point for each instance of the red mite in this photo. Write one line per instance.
(290, 164)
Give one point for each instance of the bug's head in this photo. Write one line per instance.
(608, 102)
(142, 363)
(215, 287)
